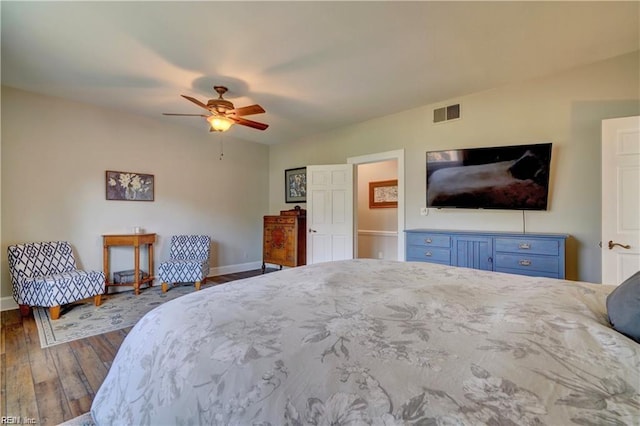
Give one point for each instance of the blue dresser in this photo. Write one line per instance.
(533, 254)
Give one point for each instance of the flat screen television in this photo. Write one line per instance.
(506, 177)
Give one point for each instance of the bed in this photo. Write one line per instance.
(377, 342)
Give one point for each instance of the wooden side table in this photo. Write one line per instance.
(135, 240)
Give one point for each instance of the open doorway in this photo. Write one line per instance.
(379, 232)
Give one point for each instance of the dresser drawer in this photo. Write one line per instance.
(527, 245)
(280, 220)
(429, 254)
(522, 262)
(429, 240)
(530, 273)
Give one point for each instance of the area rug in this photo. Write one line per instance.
(117, 311)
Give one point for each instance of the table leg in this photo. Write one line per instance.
(150, 264)
(136, 270)
(105, 267)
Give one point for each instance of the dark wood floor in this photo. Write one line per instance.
(56, 384)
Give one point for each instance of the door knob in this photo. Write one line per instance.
(612, 245)
(312, 230)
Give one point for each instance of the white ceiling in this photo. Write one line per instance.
(313, 66)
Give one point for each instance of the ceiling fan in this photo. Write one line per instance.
(223, 114)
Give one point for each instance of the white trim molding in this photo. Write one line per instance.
(7, 303)
(232, 269)
(377, 233)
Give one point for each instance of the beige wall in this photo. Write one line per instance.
(54, 157)
(565, 109)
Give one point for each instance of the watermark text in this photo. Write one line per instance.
(18, 420)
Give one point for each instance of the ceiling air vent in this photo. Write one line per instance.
(451, 112)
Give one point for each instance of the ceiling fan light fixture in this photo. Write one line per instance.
(219, 124)
(222, 113)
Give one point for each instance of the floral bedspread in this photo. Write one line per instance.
(377, 342)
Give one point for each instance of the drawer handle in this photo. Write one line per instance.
(428, 254)
(524, 246)
(427, 240)
(525, 262)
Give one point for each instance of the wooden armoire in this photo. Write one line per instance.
(284, 239)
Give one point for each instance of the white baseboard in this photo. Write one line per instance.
(7, 303)
(232, 269)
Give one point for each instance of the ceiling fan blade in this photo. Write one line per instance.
(195, 101)
(190, 115)
(250, 123)
(248, 110)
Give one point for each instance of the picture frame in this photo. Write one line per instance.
(383, 194)
(295, 185)
(129, 186)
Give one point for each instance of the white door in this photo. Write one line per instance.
(329, 213)
(620, 199)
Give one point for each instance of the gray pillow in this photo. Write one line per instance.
(623, 307)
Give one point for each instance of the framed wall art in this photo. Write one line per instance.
(129, 186)
(383, 194)
(295, 185)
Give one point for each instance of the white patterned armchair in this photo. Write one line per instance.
(45, 274)
(188, 261)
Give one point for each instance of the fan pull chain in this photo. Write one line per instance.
(221, 146)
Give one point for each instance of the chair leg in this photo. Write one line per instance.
(54, 312)
(25, 310)
(198, 285)
(165, 287)
(97, 300)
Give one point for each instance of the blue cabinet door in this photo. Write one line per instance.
(473, 252)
